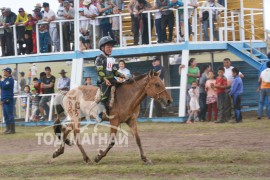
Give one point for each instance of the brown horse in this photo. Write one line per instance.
(125, 109)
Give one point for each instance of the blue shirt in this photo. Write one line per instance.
(237, 86)
(7, 88)
(177, 4)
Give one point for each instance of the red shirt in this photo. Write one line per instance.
(38, 88)
(222, 82)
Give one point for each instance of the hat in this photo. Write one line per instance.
(81, 9)
(8, 69)
(62, 71)
(2, 8)
(86, 2)
(38, 5)
(22, 73)
(21, 10)
(155, 58)
(45, 4)
(65, 3)
(33, 89)
(36, 9)
(7, 10)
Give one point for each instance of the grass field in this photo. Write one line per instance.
(178, 151)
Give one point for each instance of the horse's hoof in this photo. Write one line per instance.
(87, 160)
(97, 158)
(69, 142)
(148, 162)
(58, 152)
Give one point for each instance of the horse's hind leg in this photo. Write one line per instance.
(111, 143)
(61, 149)
(133, 126)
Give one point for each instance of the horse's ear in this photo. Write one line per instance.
(151, 73)
(158, 73)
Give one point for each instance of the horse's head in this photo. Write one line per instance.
(155, 88)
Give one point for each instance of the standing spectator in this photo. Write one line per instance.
(116, 26)
(176, 4)
(8, 100)
(2, 37)
(61, 9)
(157, 67)
(10, 20)
(105, 8)
(164, 19)
(37, 85)
(134, 21)
(68, 27)
(235, 92)
(202, 97)
(47, 85)
(26, 92)
(87, 81)
(194, 4)
(94, 23)
(85, 23)
(221, 85)
(22, 81)
(211, 99)
(204, 18)
(194, 102)
(35, 104)
(264, 80)
(32, 23)
(193, 74)
(34, 70)
(228, 104)
(21, 29)
(14, 74)
(49, 16)
(84, 32)
(63, 82)
(43, 35)
(16, 90)
(118, 4)
(29, 76)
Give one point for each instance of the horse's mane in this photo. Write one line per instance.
(135, 78)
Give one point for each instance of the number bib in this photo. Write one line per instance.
(110, 63)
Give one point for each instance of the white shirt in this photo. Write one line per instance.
(228, 74)
(60, 12)
(265, 75)
(94, 10)
(50, 14)
(115, 23)
(83, 24)
(190, 11)
(17, 87)
(125, 71)
(158, 15)
(33, 70)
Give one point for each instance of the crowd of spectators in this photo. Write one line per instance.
(43, 17)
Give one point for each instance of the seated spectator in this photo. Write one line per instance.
(116, 26)
(204, 18)
(22, 81)
(176, 4)
(50, 16)
(105, 8)
(84, 32)
(87, 81)
(68, 27)
(8, 33)
(35, 104)
(32, 22)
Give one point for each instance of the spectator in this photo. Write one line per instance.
(193, 74)
(29, 77)
(157, 67)
(87, 81)
(194, 102)
(221, 85)
(119, 4)
(43, 35)
(228, 105)
(123, 70)
(94, 22)
(176, 4)
(32, 22)
(63, 82)
(14, 74)
(164, 19)
(7, 98)
(27, 94)
(2, 36)
(84, 32)
(105, 8)
(134, 21)
(27, 44)
(35, 104)
(116, 26)
(61, 9)
(202, 97)
(194, 4)
(204, 18)
(264, 80)
(21, 29)
(22, 81)
(16, 91)
(10, 20)
(81, 4)
(68, 27)
(211, 99)
(49, 16)
(34, 70)
(235, 92)
(47, 85)
(37, 85)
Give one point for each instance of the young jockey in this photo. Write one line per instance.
(106, 70)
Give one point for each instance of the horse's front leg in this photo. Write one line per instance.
(111, 144)
(61, 149)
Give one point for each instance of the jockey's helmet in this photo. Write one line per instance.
(105, 40)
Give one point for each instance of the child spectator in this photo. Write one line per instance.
(87, 81)
(221, 84)
(27, 44)
(235, 92)
(37, 85)
(35, 104)
(26, 93)
(43, 35)
(176, 4)
(115, 26)
(84, 33)
(211, 99)
(29, 77)
(194, 102)
(32, 23)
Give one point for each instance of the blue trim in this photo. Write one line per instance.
(127, 51)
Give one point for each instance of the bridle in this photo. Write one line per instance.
(148, 87)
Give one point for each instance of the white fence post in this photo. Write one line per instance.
(183, 84)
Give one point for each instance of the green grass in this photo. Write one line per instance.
(221, 162)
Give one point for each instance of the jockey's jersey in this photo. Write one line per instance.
(106, 67)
